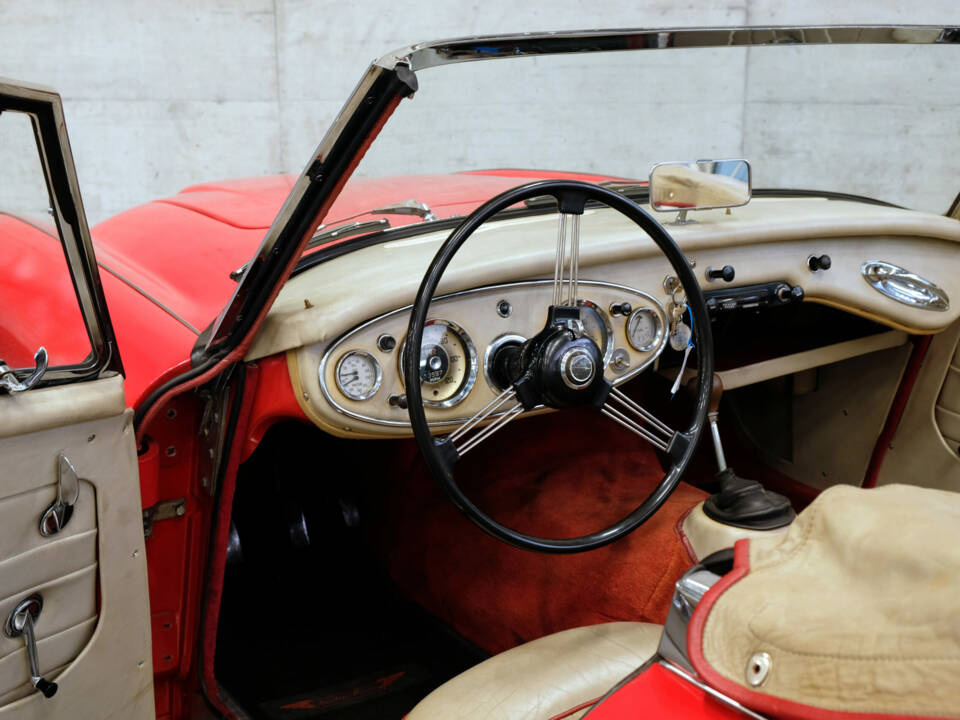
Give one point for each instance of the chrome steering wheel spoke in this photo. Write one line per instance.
(566, 272)
(470, 433)
(623, 410)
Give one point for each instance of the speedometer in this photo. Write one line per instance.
(448, 364)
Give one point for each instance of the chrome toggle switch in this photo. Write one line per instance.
(20, 623)
(56, 517)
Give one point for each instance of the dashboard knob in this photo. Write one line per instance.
(822, 262)
(796, 293)
(617, 309)
(726, 273)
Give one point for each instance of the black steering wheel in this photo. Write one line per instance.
(560, 367)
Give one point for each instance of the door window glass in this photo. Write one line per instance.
(38, 301)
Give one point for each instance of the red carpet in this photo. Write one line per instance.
(560, 475)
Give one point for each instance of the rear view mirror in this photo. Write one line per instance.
(700, 185)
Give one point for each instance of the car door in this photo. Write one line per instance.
(73, 577)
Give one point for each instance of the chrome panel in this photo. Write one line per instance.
(904, 286)
(446, 422)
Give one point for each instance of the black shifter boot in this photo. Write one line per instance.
(747, 504)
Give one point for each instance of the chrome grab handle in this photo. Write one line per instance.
(56, 517)
(9, 380)
(20, 623)
(904, 286)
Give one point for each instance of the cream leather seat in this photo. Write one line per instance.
(546, 677)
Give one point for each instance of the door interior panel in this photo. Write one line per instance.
(93, 635)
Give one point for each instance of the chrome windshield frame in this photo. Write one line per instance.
(393, 77)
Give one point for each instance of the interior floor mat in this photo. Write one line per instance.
(319, 629)
(397, 686)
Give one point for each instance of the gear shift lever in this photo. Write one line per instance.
(712, 415)
(740, 502)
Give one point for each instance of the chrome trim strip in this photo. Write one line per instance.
(328, 353)
(491, 47)
(716, 694)
(143, 292)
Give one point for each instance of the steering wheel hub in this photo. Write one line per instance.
(577, 368)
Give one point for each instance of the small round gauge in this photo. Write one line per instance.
(448, 364)
(597, 327)
(358, 375)
(644, 329)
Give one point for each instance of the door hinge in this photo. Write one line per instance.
(166, 510)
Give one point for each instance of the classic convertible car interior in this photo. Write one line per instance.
(526, 443)
(561, 368)
(821, 310)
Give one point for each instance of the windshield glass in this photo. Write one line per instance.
(873, 120)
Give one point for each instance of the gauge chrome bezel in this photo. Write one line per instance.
(608, 339)
(470, 378)
(497, 343)
(658, 336)
(336, 375)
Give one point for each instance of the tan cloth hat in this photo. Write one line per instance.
(853, 613)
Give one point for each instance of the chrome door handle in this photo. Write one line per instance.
(8, 378)
(20, 623)
(56, 517)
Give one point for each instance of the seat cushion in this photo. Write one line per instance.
(546, 677)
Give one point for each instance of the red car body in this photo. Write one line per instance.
(165, 269)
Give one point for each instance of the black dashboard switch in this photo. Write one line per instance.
(821, 262)
(726, 273)
(624, 309)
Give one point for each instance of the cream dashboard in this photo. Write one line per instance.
(342, 324)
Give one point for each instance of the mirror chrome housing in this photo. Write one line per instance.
(701, 185)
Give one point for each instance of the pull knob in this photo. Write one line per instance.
(822, 262)
(617, 309)
(726, 273)
(20, 623)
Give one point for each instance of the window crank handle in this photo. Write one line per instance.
(20, 623)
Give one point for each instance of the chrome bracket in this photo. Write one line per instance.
(21, 623)
(58, 514)
(12, 384)
(167, 510)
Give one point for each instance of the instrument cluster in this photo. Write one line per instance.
(361, 373)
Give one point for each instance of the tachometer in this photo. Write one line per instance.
(597, 326)
(448, 364)
(358, 375)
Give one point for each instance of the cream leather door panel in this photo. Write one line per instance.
(93, 629)
(74, 604)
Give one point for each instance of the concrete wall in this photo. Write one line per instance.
(160, 95)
